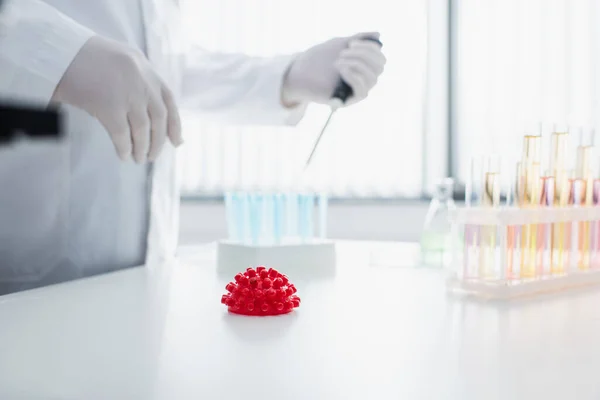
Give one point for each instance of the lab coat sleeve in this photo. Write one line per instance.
(237, 88)
(37, 44)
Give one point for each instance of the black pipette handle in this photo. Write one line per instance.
(343, 91)
(31, 122)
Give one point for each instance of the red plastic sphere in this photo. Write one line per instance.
(260, 292)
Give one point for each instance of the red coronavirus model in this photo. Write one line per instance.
(260, 292)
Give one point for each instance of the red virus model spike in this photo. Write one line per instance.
(260, 292)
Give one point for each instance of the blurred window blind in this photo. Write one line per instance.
(373, 149)
(522, 63)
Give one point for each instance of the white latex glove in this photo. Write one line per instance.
(314, 74)
(119, 87)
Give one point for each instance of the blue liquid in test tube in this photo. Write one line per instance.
(268, 218)
(291, 210)
(256, 211)
(307, 202)
(278, 215)
(241, 215)
(323, 201)
(230, 216)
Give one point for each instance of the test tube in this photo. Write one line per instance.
(558, 149)
(596, 199)
(306, 216)
(489, 265)
(510, 189)
(491, 191)
(256, 212)
(473, 198)
(267, 217)
(241, 216)
(323, 201)
(530, 173)
(558, 161)
(544, 249)
(278, 217)
(528, 193)
(521, 236)
(564, 232)
(292, 218)
(229, 217)
(532, 145)
(584, 187)
(535, 195)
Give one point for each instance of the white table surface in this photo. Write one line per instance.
(369, 332)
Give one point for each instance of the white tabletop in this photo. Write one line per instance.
(369, 332)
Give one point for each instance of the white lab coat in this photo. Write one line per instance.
(42, 42)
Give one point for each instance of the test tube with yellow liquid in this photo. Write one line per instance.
(512, 231)
(596, 237)
(489, 263)
(558, 161)
(544, 248)
(582, 196)
(529, 177)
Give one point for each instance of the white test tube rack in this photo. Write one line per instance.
(503, 253)
(303, 249)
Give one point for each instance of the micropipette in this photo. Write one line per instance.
(341, 93)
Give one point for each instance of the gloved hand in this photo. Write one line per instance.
(118, 86)
(314, 74)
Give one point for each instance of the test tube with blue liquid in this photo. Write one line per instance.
(306, 224)
(291, 210)
(278, 217)
(237, 214)
(262, 218)
(255, 220)
(323, 205)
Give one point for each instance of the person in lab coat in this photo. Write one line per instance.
(106, 197)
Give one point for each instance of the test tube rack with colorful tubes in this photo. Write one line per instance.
(286, 230)
(526, 233)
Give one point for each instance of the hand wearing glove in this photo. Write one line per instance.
(314, 74)
(118, 86)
